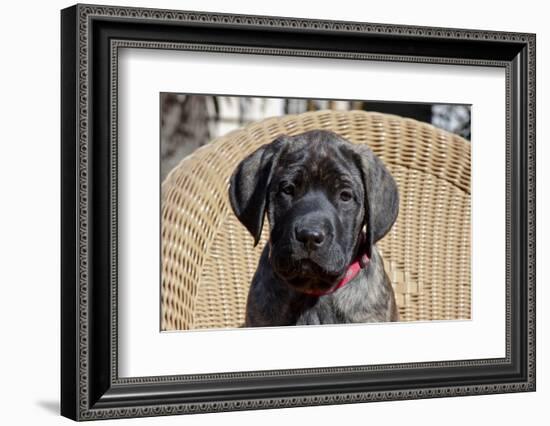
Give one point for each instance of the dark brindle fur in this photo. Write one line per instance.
(319, 193)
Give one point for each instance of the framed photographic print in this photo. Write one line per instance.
(263, 212)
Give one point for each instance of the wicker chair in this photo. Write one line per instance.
(208, 257)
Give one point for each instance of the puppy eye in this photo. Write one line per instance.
(288, 189)
(346, 195)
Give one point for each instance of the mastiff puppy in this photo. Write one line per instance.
(328, 202)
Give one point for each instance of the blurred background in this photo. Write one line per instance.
(190, 121)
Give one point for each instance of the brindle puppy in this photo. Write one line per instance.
(320, 193)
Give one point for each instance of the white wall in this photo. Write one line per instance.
(29, 225)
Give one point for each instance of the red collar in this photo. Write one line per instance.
(360, 262)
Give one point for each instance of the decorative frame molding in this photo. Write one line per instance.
(91, 37)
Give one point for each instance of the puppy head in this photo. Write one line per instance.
(318, 192)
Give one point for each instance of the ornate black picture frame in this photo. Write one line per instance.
(91, 36)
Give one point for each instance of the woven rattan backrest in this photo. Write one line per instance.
(208, 257)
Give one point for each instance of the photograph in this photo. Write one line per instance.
(274, 211)
(294, 211)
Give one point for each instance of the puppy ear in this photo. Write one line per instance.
(381, 195)
(249, 183)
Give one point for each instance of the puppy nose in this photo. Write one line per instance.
(310, 237)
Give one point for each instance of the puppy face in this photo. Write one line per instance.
(318, 191)
(316, 211)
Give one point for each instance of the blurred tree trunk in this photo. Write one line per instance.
(184, 128)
